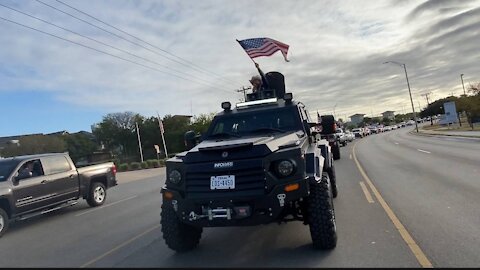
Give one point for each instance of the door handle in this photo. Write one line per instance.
(71, 176)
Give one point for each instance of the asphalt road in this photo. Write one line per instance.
(434, 195)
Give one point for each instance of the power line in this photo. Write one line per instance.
(110, 32)
(197, 67)
(105, 44)
(100, 51)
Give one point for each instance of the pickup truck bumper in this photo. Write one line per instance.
(238, 211)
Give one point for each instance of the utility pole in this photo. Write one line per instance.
(244, 89)
(426, 95)
(162, 130)
(461, 77)
(139, 141)
(409, 91)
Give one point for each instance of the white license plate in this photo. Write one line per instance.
(222, 182)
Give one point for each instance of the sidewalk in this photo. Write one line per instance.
(468, 134)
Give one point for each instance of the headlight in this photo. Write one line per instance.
(285, 168)
(175, 177)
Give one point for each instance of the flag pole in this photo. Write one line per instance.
(161, 133)
(139, 142)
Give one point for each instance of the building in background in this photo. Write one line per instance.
(357, 118)
(390, 115)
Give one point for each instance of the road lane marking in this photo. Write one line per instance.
(424, 151)
(350, 156)
(119, 247)
(101, 207)
(396, 143)
(366, 192)
(414, 248)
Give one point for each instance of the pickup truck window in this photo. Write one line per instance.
(32, 168)
(56, 164)
(6, 168)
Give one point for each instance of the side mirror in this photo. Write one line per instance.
(190, 139)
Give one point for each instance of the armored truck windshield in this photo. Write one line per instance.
(237, 124)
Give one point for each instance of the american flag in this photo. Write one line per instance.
(256, 47)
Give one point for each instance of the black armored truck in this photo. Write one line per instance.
(260, 162)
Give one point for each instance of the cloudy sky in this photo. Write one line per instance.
(192, 62)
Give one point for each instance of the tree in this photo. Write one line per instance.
(474, 89)
(202, 122)
(175, 128)
(79, 145)
(117, 132)
(35, 144)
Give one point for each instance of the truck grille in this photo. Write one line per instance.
(248, 182)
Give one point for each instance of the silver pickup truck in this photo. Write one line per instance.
(38, 184)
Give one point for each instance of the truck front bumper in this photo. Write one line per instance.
(235, 211)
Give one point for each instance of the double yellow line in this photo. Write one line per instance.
(416, 250)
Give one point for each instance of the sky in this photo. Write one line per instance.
(192, 61)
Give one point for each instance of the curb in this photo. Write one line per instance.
(446, 135)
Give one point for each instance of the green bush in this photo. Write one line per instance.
(135, 165)
(162, 162)
(153, 163)
(123, 167)
(144, 165)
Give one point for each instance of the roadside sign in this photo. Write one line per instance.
(157, 148)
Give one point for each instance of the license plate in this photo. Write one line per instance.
(222, 182)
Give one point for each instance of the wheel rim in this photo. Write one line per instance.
(99, 194)
(2, 223)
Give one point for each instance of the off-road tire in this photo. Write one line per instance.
(336, 152)
(94, 199)
(333, 181)
(3, 222)
(178, 236)
(321, 215)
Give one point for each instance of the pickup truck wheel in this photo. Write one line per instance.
(178, 236)
(321, 215)
(336, 152)
(333, 181)
(97, 195)
(3, 222)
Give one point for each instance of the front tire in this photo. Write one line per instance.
(321, 215)
(3, 222)
(333, 181)
(178, 236)
(97, 194)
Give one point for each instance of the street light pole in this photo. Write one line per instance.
(409, 91)
(461, 77)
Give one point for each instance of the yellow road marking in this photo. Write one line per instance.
(119, 247)
(416, 250)
(366, 192)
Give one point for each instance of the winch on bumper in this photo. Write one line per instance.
(237, 211)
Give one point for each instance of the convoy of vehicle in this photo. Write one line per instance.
(38, 184)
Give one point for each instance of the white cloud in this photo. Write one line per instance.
(336, 49)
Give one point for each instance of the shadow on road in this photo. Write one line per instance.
(262, 246)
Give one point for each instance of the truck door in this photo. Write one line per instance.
(28, 182)
(62, 179)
